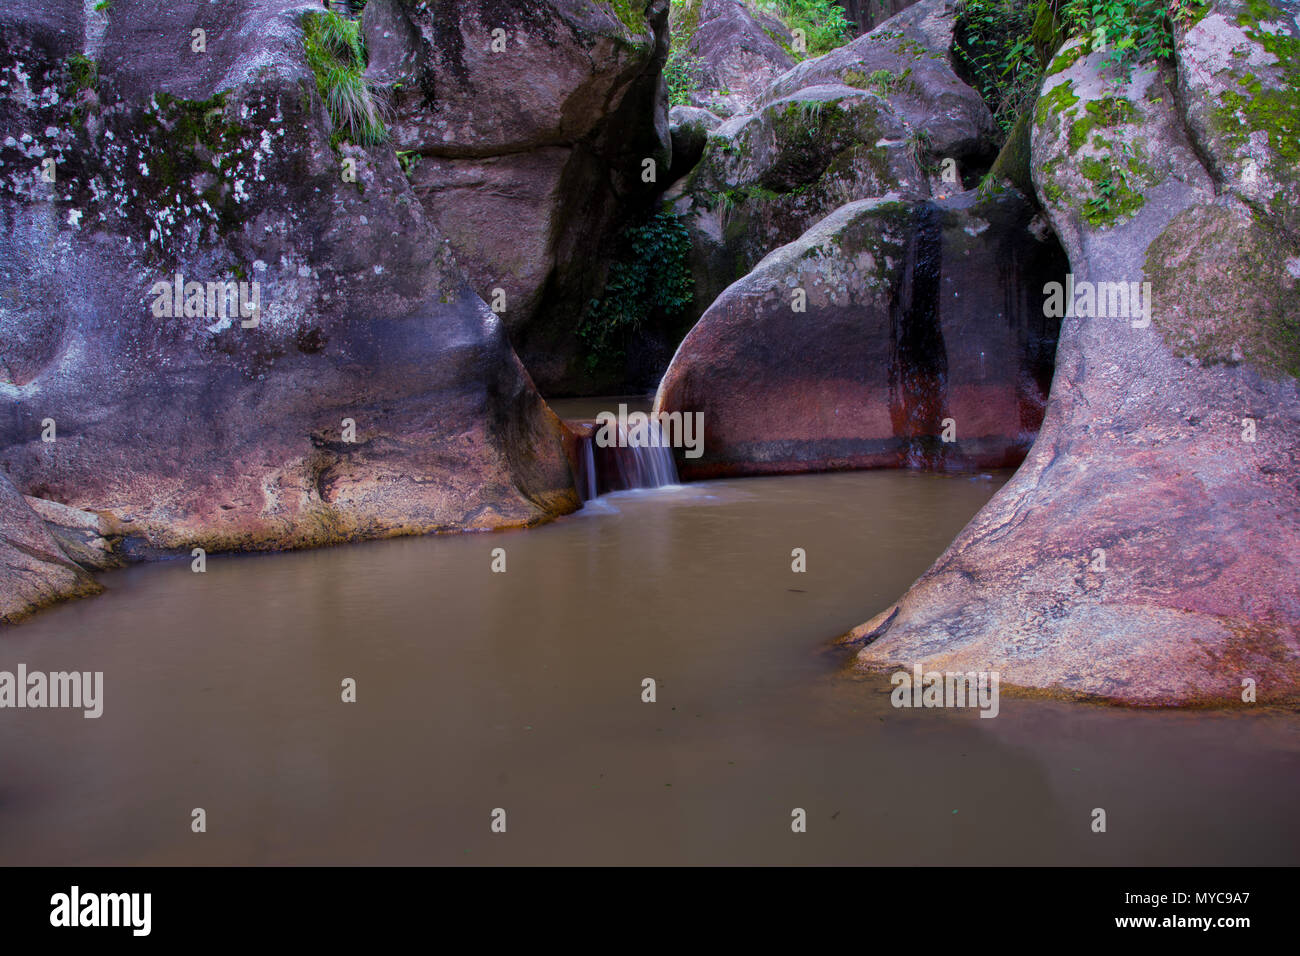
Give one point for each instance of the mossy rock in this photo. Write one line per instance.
(1226, 288)
(1013, 163)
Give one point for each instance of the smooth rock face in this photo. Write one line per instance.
(876, 117)
(528, 158)
(33, 571)
(740, 50)
(1148, 551)
(191, 429)
(914, 314)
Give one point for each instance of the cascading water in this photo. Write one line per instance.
(639, 457)
(643, 457)
(587, 482)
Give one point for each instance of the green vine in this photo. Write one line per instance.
(649, 277)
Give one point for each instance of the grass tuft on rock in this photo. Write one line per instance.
(336, 54)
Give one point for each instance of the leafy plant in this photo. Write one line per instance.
(1099, 205)
(337, 56)
(995, 46)
(1129, 31)
(408, 159)
(683, 72)
(103, 6)
(823, 22)
(650, 276)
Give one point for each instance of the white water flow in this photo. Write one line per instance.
(588, 488)
(634, 456)
(643, 457)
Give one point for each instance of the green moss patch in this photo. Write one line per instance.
(1107, 112)
(1222, 293)
(1053, 103)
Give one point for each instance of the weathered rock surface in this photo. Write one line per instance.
(1237, 72)
(529, 154)
(916, 313)
(206, 427)
(875, 117)
(1148, 551)
(740, 50)
(93, 541)
(908, 60)
(33, 571)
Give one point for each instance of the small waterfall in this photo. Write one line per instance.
(588, 476)
(640, 458)
(643, 458)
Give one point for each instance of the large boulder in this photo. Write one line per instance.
(858, 344)
(1148, 551)
(737, 49)
(909, 59)
(370, 393)
(524, 128)
(877, 117)
(766, 177)
(1237, 70)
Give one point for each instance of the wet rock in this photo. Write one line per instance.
(34, 572)
(859, 344)
(1148, 551)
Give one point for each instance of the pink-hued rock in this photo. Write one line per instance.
(740, 50)
(916, 314)
(34, 572)
(1148, 551)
